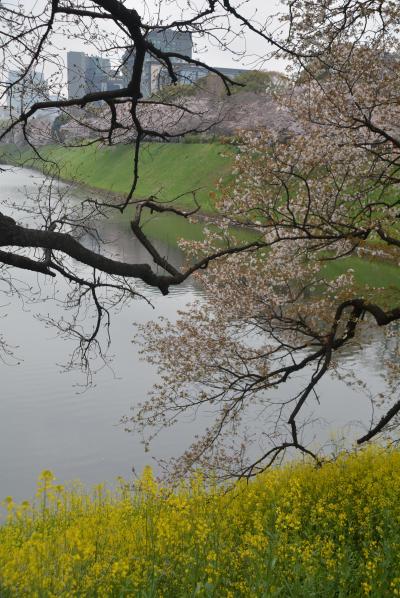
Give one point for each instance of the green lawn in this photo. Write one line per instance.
(376, 279)
(165, 170)
(168, 170)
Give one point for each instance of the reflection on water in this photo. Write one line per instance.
(46, 421)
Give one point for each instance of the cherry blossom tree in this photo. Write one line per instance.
(273, 313)
(33, 40)
(321, 191)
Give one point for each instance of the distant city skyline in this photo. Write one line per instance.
(155, 75)
(242, 54)
(253, 46)
(86, 74)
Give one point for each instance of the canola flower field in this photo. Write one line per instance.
(295, 531)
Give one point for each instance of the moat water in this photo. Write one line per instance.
(48, 420)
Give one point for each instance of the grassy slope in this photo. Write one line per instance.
(376, 280)
(169, 170)
(166, 170)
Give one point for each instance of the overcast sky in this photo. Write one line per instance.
(167, 10)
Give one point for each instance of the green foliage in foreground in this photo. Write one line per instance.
(166, 170)
(295, 531)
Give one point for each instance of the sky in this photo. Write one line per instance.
(251, 47)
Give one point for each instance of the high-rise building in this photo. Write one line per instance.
(154, 76)
(171, 40)
(76, 71)
(97, 73)
(88, 74)
(26, 90)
